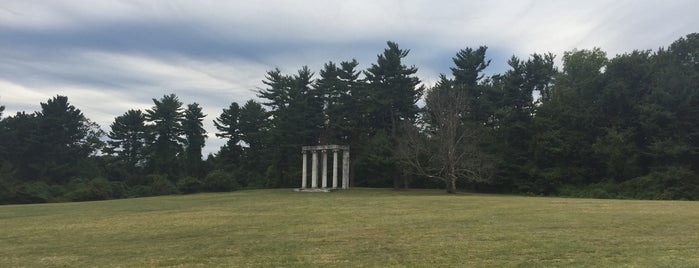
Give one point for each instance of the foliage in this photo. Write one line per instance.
(127, 138)
(161, 185)
(596, 126)
(449, 148)
(195, 137)
(165, 137)
(189, 185)
(220, 181)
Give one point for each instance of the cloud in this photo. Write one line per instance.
(111, 56)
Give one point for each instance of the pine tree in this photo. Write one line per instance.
(128, 137)
(392, 93)
(165, 134)
(227, 124)
(195, 137)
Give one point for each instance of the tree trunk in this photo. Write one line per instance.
(396, 180)
(451, 185)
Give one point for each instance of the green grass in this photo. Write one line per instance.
(355, 228)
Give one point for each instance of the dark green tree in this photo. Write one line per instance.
(566, 125)
(338, 84)
(296, 109)
(195, 137)
(227, 125)
(21, 143)
(66, 137)
(512, 97)
(253, 126)
(128, 137)
(392, 93)
(165, 137)
(393, 88)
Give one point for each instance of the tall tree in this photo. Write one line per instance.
(447, 149)
(514, 109)
(469, 66)
(65, 137)
(166, 134)
(195, 137)
(253, 126)
(393, 91)
(566, 125)
(20, 139)
(227, 125)
(128, 136)
(297, 119)
(338, 84)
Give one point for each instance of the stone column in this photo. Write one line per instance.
(304, 175)
(345, 169)
(324, 176)
(314, 171)
(335, 169)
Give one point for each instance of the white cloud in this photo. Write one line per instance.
(111, 56)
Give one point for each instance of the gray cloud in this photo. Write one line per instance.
(111, 56)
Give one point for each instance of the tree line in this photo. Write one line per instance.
(621, 127)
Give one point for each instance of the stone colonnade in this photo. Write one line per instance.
(323, 150)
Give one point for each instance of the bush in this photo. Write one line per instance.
(189, 185)
(161, 185)
(35, 192)
(96, 189)
(220, 181)
(8, 185)
(140, 191)
(668, 183)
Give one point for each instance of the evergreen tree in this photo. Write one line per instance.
(195, 137)
(254, 128)
(338, 84)
(227, 124)
(393, 88)
(392, 92)
(566, 125)
(166, 134)
(128, 137)
(65, 138)
(297, 119)
(253, 125)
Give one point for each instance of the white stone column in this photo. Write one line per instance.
(314, 172)
(304, 175)
(324, 176)
(335, 169)
(345, 169)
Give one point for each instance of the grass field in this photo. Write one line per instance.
(355, 228)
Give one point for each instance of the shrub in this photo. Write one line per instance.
(140, 191)
(671, 182)
(35, 192)
(220, 181)
(161, 185)
(96, 189)
(189, 185)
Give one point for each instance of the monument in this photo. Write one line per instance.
(338, 151)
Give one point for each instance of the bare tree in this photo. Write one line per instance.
(444, 146)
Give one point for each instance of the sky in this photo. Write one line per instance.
(112, 56)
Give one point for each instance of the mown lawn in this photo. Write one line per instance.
(354, 228)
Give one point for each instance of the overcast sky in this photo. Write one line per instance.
(112, 56)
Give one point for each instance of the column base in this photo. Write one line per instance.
(315, 190)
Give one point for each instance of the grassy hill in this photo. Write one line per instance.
(359, 227)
